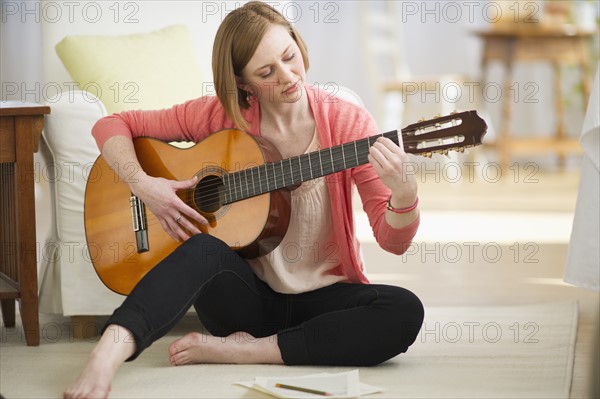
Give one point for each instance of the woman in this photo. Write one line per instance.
(305, 308)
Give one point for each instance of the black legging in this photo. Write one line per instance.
(343, 324)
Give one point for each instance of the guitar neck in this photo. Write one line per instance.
(453, 132)
(296, 170)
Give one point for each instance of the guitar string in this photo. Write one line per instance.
(211, 192)
(244, 179)
(215, 191)
(246, 184)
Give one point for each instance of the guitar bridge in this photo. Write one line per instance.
(138, 218)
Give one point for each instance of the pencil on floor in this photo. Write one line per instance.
(301, 389)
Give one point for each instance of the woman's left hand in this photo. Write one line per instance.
(395, 170)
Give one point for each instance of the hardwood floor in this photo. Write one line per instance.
(496, 271)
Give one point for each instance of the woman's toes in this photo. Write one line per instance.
(185, 342)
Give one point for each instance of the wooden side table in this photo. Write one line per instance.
(20, 130)
(534, 44)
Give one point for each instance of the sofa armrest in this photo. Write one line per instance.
(71, 152)
(68, 282)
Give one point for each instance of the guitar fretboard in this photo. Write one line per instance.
(295, 170)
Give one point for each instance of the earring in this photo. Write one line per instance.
(248, 96)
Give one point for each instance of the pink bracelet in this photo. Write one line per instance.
(401, 210)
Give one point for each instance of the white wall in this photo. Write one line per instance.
(20, 48)
(438, 38)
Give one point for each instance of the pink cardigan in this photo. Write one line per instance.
(337, 122)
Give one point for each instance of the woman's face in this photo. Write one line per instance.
(275, 73)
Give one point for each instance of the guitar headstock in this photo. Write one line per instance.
(453, 132)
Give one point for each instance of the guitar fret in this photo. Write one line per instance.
(260, 186)
(291, 171)
(338, 161)
(321, 164)
(229, 190)
(241, 180)
(259, 179)
(232, 187)
(253, 184)
(348, 162)
(327, 168)
(296, 168)
(249, 182)
(266, 179)
(238, 185)
(274, 177)
(332, 161)
(360, 151)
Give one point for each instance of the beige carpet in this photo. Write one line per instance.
(476, 352)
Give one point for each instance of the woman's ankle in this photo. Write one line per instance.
(115, 345)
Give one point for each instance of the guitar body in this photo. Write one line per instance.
(252, 227)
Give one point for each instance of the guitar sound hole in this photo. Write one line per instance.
(209, 194)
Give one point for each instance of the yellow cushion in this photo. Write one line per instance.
(141, 71)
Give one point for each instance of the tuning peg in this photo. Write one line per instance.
(422, 119)
(437, 116)
(453, 112)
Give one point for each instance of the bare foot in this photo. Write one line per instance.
(94, 381)
(239, 348)
(113, 348)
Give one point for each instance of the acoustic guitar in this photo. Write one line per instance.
(243, 190)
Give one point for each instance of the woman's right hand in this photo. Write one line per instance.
(159, 196)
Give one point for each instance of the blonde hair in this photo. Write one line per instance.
(236, 41)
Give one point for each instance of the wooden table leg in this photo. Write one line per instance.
(26, 229)
(20, 130)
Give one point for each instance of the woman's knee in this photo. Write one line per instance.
(406, 314)
(204, 244)
(206, 249)
(202, 254)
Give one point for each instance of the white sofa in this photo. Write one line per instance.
(68, 282)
